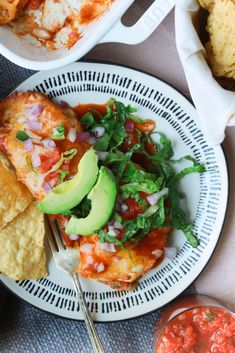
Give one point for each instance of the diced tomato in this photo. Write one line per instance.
(144, 195)
(147, 127)
(49, 159)
(131, 140)
(52, 178)
(199, 330)
(134, 209)
(150, 148)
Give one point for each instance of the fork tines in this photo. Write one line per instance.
(54, 234)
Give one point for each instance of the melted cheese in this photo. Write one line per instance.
(123, 266)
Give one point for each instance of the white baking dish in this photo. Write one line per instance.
(107, 29)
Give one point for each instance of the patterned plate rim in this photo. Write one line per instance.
(227, 181)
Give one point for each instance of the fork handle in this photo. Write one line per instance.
(95, 340)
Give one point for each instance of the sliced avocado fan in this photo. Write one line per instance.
(103, 197)
(70, 193)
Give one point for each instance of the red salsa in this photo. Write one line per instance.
(199, 330)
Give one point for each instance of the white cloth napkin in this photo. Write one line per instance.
(215, 105)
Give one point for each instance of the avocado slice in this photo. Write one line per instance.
(103, 197)
(70, 193)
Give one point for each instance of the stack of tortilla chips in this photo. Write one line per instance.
(22, 255)
(221, 28)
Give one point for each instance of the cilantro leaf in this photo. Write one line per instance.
(58, 132)
(21, 135)
(88, 121)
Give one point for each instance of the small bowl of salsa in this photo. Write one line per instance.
(197, 324)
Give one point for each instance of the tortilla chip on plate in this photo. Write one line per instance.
(21, 256)
(14, 196)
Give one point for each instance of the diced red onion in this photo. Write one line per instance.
(64, 104)
(99, 267)
(102, 155)
(92, 140)
(46, 187)
(117, 225)
(28, 145)
(109, 247)
(21, 120)
(48, 143)
(129, 126)
(32, 135)
(89, 260)
(86, 248)
(83, 136)
(65, 223)
(53, 182)
(111, 222)
(98, 131)
(157, 253)
(124, 207)
(112, 231)
(71, 134)
(170, 252)
(34, 110)
(73, 236)
(36, 160)
(34, 125)
(154, 198)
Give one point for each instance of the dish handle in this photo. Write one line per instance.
(143, 28)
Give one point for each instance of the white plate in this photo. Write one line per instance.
(206, 193)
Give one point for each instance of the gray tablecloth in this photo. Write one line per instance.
(25, 329)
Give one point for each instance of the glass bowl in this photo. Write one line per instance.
(195, 324)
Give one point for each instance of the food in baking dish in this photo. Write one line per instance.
(55, 24)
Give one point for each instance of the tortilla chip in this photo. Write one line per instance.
(219, 70)
(14, 196)
(207, 4)
(221, 47)
(20, 255)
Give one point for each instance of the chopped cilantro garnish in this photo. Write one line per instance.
(58, 132)
(21, 135)
(138, 171)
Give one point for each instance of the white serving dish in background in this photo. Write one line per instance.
(108, 28)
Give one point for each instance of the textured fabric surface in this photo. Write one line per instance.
(25, 329)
